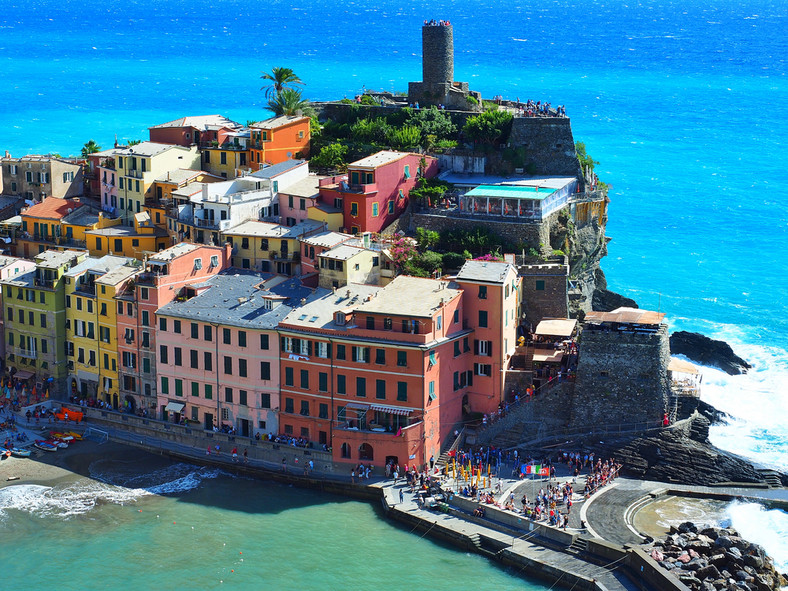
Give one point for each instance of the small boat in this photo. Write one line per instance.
(75, 435)
(62, 436)
(45, 445)
(20, 453)
(58, 443)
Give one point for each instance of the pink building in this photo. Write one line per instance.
(219, 352)
(202, 130)
(9, 267)
(492, 298)
(377, 189)
(296, 199)
(164, 278)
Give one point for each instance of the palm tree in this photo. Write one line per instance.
(280, 79)
(288, 102)
(90, 148)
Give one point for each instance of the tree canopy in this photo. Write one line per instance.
(289, 102)
(280, 78)
(91, 147)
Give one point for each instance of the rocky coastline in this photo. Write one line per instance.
(716, 559)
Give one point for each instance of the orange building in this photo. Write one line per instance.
(278, 139)
(373, 381)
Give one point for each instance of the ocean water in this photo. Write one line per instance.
(683, 103)
(182, 527)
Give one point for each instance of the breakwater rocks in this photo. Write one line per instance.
(701, 349)
(715, 559)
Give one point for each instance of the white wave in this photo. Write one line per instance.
(82, 496)
(758, 430)
(766, 527)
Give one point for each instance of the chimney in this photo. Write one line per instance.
(205, 192)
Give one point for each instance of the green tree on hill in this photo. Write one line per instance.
(489, 127)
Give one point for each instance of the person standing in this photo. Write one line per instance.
(284, 464)
(401, 496)
(246, 456)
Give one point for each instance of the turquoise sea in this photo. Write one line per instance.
(683, 103)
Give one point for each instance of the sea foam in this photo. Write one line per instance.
(766, 527)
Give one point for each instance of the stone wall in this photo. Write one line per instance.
(551, 301)
(549, 143)
(437, 50)
(622, 377)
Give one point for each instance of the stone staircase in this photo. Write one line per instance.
(578, 546)
(772, 478)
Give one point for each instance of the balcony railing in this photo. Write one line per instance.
(135, 174)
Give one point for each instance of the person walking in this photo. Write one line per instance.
(401, 496)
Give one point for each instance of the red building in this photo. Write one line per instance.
(279, 139)
(202, 130)
(377, 189)
(375, 382)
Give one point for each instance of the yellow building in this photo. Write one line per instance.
(267, 247)
(347, 263)
(328, 215)
(82, 323)
(139, 166)
(107, 286)
(226, 160)
(136, 242)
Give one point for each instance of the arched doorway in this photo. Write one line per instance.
(345, 450)
(365, 452)
(131, 404)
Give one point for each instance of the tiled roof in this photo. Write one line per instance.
(485, 271)
(275, 122)
(52, 208)
(276, 169)
(201, 122)
(423, 296)
(378, 159)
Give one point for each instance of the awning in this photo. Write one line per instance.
(394, 410)
(23, 374)
(548, 355)
(174, 407)
(556, 327)
(357, 406)
(681, 366)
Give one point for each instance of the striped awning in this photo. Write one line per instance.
(394, 410)
(174, 407)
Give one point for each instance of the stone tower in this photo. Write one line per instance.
(437, 48)
(438, 86)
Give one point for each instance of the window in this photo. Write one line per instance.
(456, 318)
(432, 390)
(242, 338)
(322, 350)
(226, 336)
(242, 398)
(482, 369)
(264, 342)
(214, 261)
(265, 370)
(370, 323)
(433, 358)
(304, 408)
(361, 387)
(196, 389)
(176, 326)
(407, 171)
(163, 354)
(193, 356)
(195, 330)
(380, 356)
(265, 400)
(289, 405)
(539, 285)
(402, 391)
(103, 311)
(402, 358)
(165, 385)
(79, 303)
(375, 210)
(439, 323)
(482, 348)
(361, 354)
(144, 294)
(228, 395)
(228, 365)
(322, 382)
(242, 368)
(341, 352)
(482, 318)
(43, 320)
(178, 358)
(322, 411)
(354, 209)
(287, 344)
(289, 380)
(207, 333)
(197, 264)
(380, 389)
(457, 351)
(341, 384)
(305, 379)
(465, 346)
(482, 292)
(391, 206)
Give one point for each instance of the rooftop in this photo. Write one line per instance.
(511, 192)
(274, 170)
(275, 122)
(326, 239)
(625, 315)
(102, 264)
(52, 259)
(173, 252)
(179, 176)
(52, 208)
(307, 187)
(148, 149)
(117, 275)
(556, 327)
(319, 312)
(120, 231)
(342, 252)
(83, 216)
(202, 122)
(486, 271)
(423, 296)
(470, 179)
(238, 297)
(271, 230)
(378, 159)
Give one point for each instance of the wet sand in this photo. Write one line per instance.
(656, 518)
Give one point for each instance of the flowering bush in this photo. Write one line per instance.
(492, 257)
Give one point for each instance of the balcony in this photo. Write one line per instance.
(45, 283)
(26, 353)
(135, 174)
(200, 223)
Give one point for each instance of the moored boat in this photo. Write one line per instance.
(45, 445)
(20, 453)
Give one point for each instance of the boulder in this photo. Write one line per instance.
(723, 542)
(701, 349)
(688, 527)
(708, 572)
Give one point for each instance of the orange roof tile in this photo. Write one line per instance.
(52, 208)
